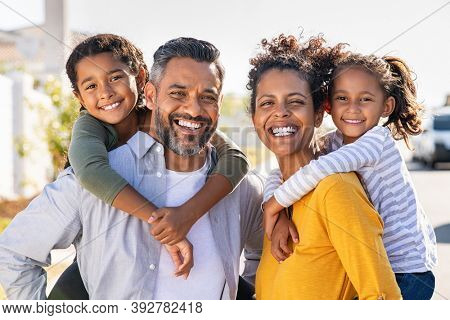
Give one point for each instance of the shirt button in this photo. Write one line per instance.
(159, 174)
(158, 148)
(152, 267)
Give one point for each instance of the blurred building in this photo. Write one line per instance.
(28, 56)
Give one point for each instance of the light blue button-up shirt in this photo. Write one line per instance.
(117, 257)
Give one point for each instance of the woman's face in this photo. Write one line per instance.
(284, 116)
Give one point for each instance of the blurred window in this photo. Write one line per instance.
(441, 123)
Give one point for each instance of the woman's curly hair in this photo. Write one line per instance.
(397, 81)
(121, 48)
(310, 59)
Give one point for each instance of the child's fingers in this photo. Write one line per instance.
(155, 216)
(277, 253)
(284, 245)
(294, 233)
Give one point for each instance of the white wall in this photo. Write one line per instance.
(23, 176)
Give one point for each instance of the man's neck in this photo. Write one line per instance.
(179, 163)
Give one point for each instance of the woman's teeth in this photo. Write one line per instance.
(110, 106)
(188, 124)
(283, 131)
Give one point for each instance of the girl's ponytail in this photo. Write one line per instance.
(405, 120)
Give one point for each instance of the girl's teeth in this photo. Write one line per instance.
(111, 106)
(353, 121)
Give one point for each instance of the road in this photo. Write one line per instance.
(433, 190)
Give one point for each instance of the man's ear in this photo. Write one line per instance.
(389, 106)
(318, 118)
(220, 102)
(150, 93)
(78, 96)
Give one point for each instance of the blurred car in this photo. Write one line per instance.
(433, 145)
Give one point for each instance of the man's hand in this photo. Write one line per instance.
(271, 211)
(171, 225)
(284, 228)
(182, 256)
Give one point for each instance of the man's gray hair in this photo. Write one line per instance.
(198, 50)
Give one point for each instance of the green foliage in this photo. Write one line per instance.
(59, 125)
(234, 105)
(4, 223)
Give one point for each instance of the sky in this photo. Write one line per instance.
(416, 31)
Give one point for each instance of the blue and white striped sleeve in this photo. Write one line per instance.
(364, 152)
(272, 183)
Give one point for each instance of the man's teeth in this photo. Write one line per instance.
(352, 121)
(111, 106)
(188, 124)
(283, 131)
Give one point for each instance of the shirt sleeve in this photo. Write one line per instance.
(88, 155)
(364, 152)
(51, 221)
(274, 180)
(251, 225)
(232, 162)
(355, 230)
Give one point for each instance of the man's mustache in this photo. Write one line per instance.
(188, 117)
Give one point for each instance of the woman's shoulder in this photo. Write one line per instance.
(342, 181)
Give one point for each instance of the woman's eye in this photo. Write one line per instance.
(116, 77)
(295, 102)
(266, 103)
(341, 98)
(91, 86)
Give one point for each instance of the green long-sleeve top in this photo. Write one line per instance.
(88, 156)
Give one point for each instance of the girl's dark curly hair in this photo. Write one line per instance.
(310, 59)
(396, 80)
(121, 48)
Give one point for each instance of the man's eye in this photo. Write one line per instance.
(209, 99)
(177, 94)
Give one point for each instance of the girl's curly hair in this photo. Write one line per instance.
(397, 81)
(310, 59)
(121, 48)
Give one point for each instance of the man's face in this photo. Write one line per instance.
(185, 105)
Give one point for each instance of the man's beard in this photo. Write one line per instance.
(170, 139)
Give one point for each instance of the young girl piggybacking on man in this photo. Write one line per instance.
(362, 90)
(108, 75)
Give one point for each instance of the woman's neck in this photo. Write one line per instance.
(292, 163)
(127, 128)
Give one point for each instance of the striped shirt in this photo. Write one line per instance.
(408, 236)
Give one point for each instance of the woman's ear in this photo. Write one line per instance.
(150, 95)
(389, 106)
(318, 118)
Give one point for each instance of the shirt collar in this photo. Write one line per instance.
(141, 143)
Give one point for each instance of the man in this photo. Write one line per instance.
(116, 256)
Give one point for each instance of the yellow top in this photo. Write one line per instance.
(340, 254)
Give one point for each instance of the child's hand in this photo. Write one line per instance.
(170, 225)
(279, 245)
(271, 211)
(182, 256)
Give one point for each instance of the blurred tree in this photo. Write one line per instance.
(59, 124)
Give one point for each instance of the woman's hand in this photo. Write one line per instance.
(284, 228)
(271, 210)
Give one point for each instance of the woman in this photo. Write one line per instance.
(339, 254)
